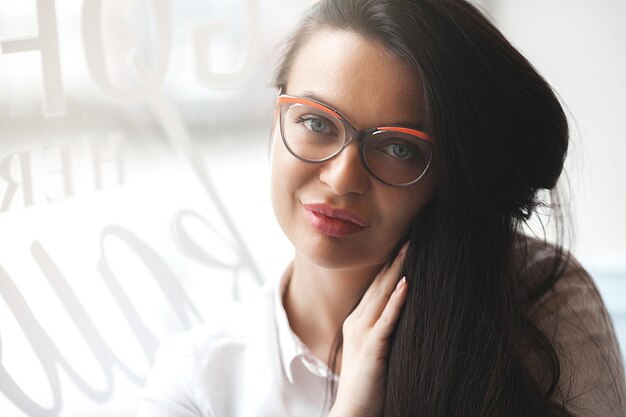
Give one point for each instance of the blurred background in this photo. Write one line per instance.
(134, 175)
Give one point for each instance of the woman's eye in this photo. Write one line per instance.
(316, 124)
(401, 151)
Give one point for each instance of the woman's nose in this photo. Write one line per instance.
(345, 173)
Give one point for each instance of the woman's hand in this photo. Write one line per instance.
(366, 332)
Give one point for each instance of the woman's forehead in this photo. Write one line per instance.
(358, 77)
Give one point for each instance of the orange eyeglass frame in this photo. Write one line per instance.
(284, 98)
(352, 132)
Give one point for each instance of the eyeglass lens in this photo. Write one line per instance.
(316, 135)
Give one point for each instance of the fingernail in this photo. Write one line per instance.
(404, 248)
(401, 283)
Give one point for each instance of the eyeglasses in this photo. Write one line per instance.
(314, 132)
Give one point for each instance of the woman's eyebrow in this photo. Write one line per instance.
(313, 96)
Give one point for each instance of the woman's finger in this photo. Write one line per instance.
(377, 295)
(387, 321)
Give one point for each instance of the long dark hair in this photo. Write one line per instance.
(501, 136)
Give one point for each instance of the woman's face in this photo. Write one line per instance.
(371, 88)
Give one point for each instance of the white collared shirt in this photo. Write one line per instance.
(245, 363)
(248, 362)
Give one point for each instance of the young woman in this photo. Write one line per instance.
(410, 144)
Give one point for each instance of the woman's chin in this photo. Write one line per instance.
(329, 254)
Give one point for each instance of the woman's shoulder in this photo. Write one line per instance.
(191, 365)
(571, 313)
(545, 269)
(560, 294)
(229, 322)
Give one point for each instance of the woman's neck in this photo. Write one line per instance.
(317, 300)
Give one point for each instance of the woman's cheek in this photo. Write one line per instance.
(286, 186)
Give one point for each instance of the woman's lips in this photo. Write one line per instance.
(333, 221)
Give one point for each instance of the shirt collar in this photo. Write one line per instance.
(291, 347)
